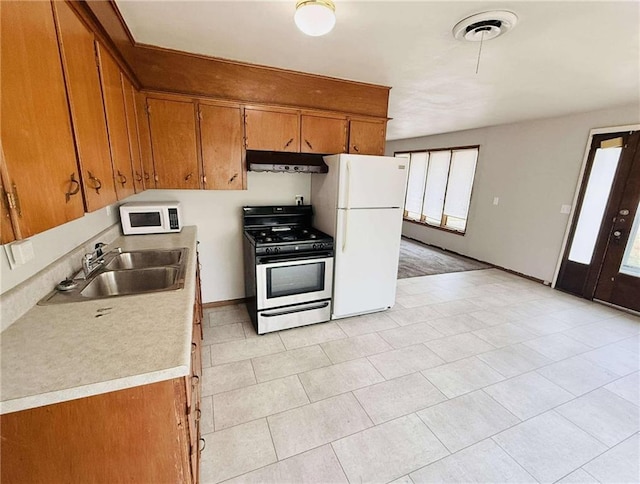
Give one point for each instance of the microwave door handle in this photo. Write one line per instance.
(298, 310)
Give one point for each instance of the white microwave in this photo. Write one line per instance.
(150, 218)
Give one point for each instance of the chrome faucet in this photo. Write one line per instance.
(92, 261)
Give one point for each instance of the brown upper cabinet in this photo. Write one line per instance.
(36, 133)
(366, 137)
(87, 112)
(174, 143)
(111, 79)
(146, 154)
(221, 141)
(272, 130)
(324, 135)
(129, 93)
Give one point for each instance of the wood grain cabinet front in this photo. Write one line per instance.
(111, 79)
(129, 93)
(366, 137)
(222, 152)
(174, 143)
(324, 135)
(272, 130)
(36, 133)
(77, 46)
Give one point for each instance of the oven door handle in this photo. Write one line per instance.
(309, 257)
(297, 310)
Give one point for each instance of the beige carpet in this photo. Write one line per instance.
(417, 259)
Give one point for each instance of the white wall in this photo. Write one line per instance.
(53, 244)
(218, 216)
(533, 167)
(216, 213)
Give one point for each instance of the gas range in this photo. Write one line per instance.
(288, 268)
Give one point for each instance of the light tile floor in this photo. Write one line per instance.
(477, 376)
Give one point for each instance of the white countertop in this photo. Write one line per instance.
(61, 352)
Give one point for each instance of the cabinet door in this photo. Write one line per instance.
(366, 137)
(327, 136)
(111, 79)
(173, 140)
(221, 139)
(87, 111)
(36, 129)
(272, 131)
(149, 172)
(132, 128)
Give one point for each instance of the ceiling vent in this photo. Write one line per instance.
(485, 26)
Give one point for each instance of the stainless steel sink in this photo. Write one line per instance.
(126, 274)
(141, 259)
(134, 281)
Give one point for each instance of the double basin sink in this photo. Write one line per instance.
(127, 273)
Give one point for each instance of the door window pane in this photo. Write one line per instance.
(436, 186)
(415, 185)
(631, 260)
(596, 195)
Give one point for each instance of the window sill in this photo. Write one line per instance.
(424, 224)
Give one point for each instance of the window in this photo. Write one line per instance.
(439, 186)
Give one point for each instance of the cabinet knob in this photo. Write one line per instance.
(138, 177)
(355, 148)
(146, 176)
(123, 179)
(74, 187)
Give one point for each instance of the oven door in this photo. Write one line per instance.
(288, 280)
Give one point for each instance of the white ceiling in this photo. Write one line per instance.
(562, 57)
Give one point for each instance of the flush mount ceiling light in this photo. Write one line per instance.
(315, 17)
(484, 26)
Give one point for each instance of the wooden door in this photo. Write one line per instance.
(272, 130)
(36, 130)
(323, 135)
(87, 111)
(221, 141)
(173, 141)
(602, 258)
(111, 79)
(366, 137)
(132, 128)
(146, 154)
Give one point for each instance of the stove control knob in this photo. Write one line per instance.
(276, 250)
(286, 167)
(268, 250)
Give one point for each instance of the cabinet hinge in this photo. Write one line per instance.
(13, 201)
(199, 115)
(147, 108)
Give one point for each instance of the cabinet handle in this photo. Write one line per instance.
(288, 143)
(196, 378)
(123, 179)
(355, 148)
(198, 414)
(308, 144)
(233, 178)
(204, 444)
(194, 347)
(146, 176)
(138, 177)
(188, 177)
(72, 190)
(97, 184)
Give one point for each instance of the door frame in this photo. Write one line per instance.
(593, 132)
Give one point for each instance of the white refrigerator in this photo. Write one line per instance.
(360, 202)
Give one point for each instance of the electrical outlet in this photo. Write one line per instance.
(109, 210)
(496, 200)
(565, 209)
(299, 200)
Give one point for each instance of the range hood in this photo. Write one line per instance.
(282, 162)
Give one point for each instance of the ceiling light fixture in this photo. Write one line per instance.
(315, 17)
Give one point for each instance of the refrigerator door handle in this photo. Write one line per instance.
(348, 183)
(344, 230)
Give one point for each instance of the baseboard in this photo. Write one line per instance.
(494, 266)
(217, 304)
